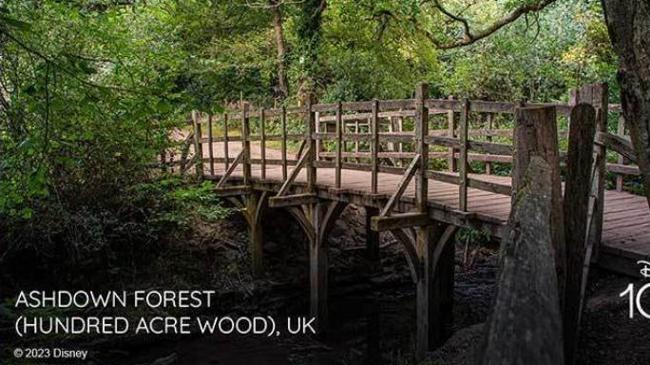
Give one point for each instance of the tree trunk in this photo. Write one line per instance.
(283, 83)
(308, 31)
(628, 22)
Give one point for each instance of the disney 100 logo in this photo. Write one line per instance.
(635, 298)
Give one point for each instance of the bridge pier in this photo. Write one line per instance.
(255, 204)
(430, 252)
(252, 205)
(372, 241)
(317, 221)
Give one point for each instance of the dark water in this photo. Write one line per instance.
(366, 328)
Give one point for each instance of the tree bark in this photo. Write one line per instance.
(628, 22)
(525, 325)
(280, 44)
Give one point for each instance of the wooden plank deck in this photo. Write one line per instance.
(626, 229)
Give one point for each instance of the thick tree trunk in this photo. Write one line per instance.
(280, 44)
(628, 22)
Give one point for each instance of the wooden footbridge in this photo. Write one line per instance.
(421, 168)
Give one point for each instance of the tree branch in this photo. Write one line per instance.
(470, 36)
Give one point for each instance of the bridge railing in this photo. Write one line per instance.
(378, 136)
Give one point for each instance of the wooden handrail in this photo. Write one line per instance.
(361, 123)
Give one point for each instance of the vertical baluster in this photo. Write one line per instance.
(356, 142)
(210, 147)
(225, 142)
(263, 143)
(451, 133)
(400, 129)
(198, 146)
(488, 164)
(339, 143)
(246, 144)
(462, 163)
(283, 126)
(374, 146)
(311, 128)
(621, 160)
(318, 141)
(421, 147)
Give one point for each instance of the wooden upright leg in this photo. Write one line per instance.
(317, 221)
(318, 269)
(253, 204)
(434, 286)
(372, 240)
(443, 286)
(423, 290)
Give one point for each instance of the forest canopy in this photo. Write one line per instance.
(89, 89)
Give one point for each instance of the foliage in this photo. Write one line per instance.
(100, 241)
(172, 201)
(91, 89)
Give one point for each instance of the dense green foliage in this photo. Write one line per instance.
(89, 89)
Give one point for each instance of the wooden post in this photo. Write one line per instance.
(596, 95)
(488, 164)
(210, 147)
(225, 141)
(374, 146)
(357, 129)
(463, 162)
(423, 235)
(319, 145)
(400, 145)
(339, 144)
(577, 209)
(535, 134)
(283, 147)
(318, 268)
(263, 143)
(601, 97)
(254, 204)
(372, 240)
(246, 144)
(311, 148)
(391, 129)
(441, 266)
(621, 160)
(451, 133)
(525, 326)
(198, 146)
(421, 147)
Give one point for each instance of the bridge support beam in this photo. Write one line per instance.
(435, 286)
(430, 251)
(317, 221)
(252, 206)
(372, 240)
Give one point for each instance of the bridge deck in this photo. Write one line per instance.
(626, 229)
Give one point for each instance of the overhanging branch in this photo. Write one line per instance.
(470, 36)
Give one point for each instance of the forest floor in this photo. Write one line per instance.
(372, 311)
